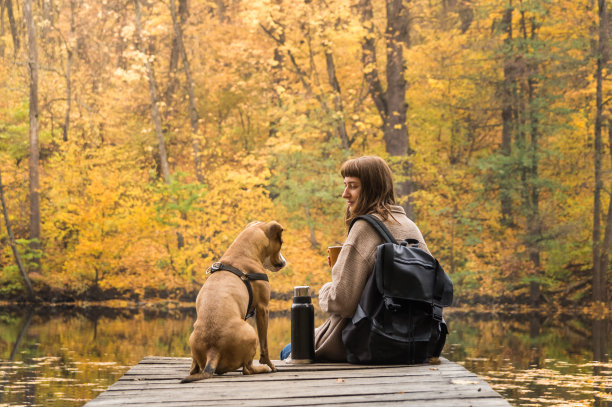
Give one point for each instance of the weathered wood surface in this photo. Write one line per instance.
(156, 381)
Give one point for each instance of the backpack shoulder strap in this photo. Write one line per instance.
(378, 226)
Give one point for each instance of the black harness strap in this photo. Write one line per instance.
(246, 279)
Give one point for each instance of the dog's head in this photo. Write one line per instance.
(271, 255)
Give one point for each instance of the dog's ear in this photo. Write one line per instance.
(274, 231)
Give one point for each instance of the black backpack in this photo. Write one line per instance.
(399, 316)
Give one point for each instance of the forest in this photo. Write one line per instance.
(138, 137)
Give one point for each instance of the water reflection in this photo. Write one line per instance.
(536, 360)
(66, 356)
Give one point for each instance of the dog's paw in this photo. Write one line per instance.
(267, 361)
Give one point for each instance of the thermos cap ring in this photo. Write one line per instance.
(301, 291)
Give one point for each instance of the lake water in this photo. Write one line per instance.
(59, 356)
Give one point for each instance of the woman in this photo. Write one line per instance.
(368, 190)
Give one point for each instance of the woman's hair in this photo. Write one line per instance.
(377, 194)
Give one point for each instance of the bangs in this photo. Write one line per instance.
(350, 168)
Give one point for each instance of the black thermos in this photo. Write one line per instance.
(302, 326)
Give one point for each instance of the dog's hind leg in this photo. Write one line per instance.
(249, 345)
(212, 359)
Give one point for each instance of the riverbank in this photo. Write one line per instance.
(520, 297)
(282, 306)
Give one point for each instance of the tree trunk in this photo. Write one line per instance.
(47, 16)
(599, 275)
(193, 112)
(391, 105)
(606, 247)
(369, 61)
(34, 149)
(395, 130)
(313, 238)
(174, 56)
(2, 30)
(338, 112)
(68, 71)
(530, 186)
(507, 116)
(13, 24)
(11, 239)
(172, 78)
(163, 156)
(221, 10)
(534, 231)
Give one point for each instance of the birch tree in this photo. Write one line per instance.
(155, 115)
(33, 131)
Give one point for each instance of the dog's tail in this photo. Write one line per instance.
(212, 359)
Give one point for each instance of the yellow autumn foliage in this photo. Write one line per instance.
(264, 141)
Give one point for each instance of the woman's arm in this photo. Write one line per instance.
(350, 272)
(341, 296)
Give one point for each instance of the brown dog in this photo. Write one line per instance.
(222, 340)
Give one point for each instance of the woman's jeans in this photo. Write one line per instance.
(286, 352)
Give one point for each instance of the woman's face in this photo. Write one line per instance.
(352, 189)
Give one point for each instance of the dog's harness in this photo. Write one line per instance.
(246, 278)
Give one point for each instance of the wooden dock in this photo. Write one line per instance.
(155, 381)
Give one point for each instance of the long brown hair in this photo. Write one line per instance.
(377, 193)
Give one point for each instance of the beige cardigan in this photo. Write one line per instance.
(340, 297)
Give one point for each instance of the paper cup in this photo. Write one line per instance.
(333, 252)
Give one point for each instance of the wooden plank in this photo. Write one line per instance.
(161, 384)
(284, 377)
(156, 380)
(320, 388)
(373, 399)
(162, 368)
(160, 373)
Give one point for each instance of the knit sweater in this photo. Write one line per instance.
(355, 262)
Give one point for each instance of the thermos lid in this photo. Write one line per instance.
(301, 291)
